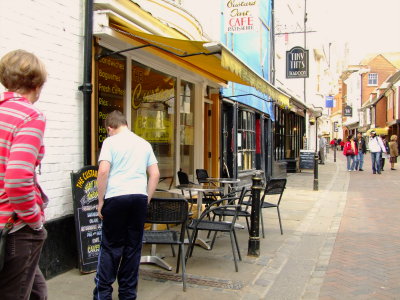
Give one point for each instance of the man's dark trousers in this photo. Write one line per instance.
(121, 245)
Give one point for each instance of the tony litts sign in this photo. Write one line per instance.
(241, 16)
(297, 63)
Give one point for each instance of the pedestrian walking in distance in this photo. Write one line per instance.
(394, 151)
(376, 148)
(22, 201)
(321, 146)
(351, 152)
(386, 154)
(127, 178)
(362, 149)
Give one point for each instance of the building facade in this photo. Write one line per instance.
(200, 104)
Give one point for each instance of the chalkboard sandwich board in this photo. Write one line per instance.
(87, 222)
(307, 159)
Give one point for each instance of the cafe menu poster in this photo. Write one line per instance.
(87, 223)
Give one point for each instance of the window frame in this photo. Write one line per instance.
(372, 81)
(246, 135)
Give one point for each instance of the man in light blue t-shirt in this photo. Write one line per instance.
(127, 178)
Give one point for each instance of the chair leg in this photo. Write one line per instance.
(248, 225)
(262, 223)
(172, 246)
(233, 251)
(213, 240)
(237, 245)
(209, 232)
(192, 241)
(279, 217)
(182, 250)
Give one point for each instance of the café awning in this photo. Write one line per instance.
(215, 61)
(379, 131)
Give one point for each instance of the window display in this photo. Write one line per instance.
(153, 109)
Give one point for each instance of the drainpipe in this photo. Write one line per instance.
(273, 41)
(86, 87)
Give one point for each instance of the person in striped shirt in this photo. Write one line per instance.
(22, 127)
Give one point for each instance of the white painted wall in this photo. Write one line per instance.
(353, 83)
(53, 30)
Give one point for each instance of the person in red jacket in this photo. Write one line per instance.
(350, 149)
(22, 127)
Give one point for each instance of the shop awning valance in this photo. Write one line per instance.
(220, 66)
(378, 131)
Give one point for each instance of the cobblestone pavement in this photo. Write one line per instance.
(340, 242)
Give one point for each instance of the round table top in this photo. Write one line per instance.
(198, 188)
(225, 180)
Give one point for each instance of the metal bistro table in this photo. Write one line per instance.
(200, 189)
(153, 258)
(226, 182)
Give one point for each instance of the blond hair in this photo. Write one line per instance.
(21, 71)
(393, 137)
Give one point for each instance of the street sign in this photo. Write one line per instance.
(297, 63)
(329, 102)
(348, 111)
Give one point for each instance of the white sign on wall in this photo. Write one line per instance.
(241, 16)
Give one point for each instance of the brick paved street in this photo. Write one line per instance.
(365, 262)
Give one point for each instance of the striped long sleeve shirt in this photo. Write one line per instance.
(21, 150)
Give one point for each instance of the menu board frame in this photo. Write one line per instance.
(87, 223)
(307, 159)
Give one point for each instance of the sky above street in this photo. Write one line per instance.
(368, 26)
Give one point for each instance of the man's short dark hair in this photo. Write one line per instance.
(115, 120)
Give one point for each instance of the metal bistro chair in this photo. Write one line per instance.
(273, 187)
(168, 211)
(202, 178)
(217, 226)
(243, 210)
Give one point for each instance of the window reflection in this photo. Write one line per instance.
(187, 128)
(152, 103)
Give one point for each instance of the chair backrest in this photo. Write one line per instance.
(202, 175)
(167, 211)
(275, 187)
(243, 193)
(183, 177)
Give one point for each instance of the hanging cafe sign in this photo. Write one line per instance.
(297, 63)
(241, 16)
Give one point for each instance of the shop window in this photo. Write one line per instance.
(246, 140)
(187, 127)
(153, 110)
(109, 90)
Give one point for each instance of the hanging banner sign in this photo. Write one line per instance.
(329, 102)
(241, 16)
(348, 111)
(297, 63)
